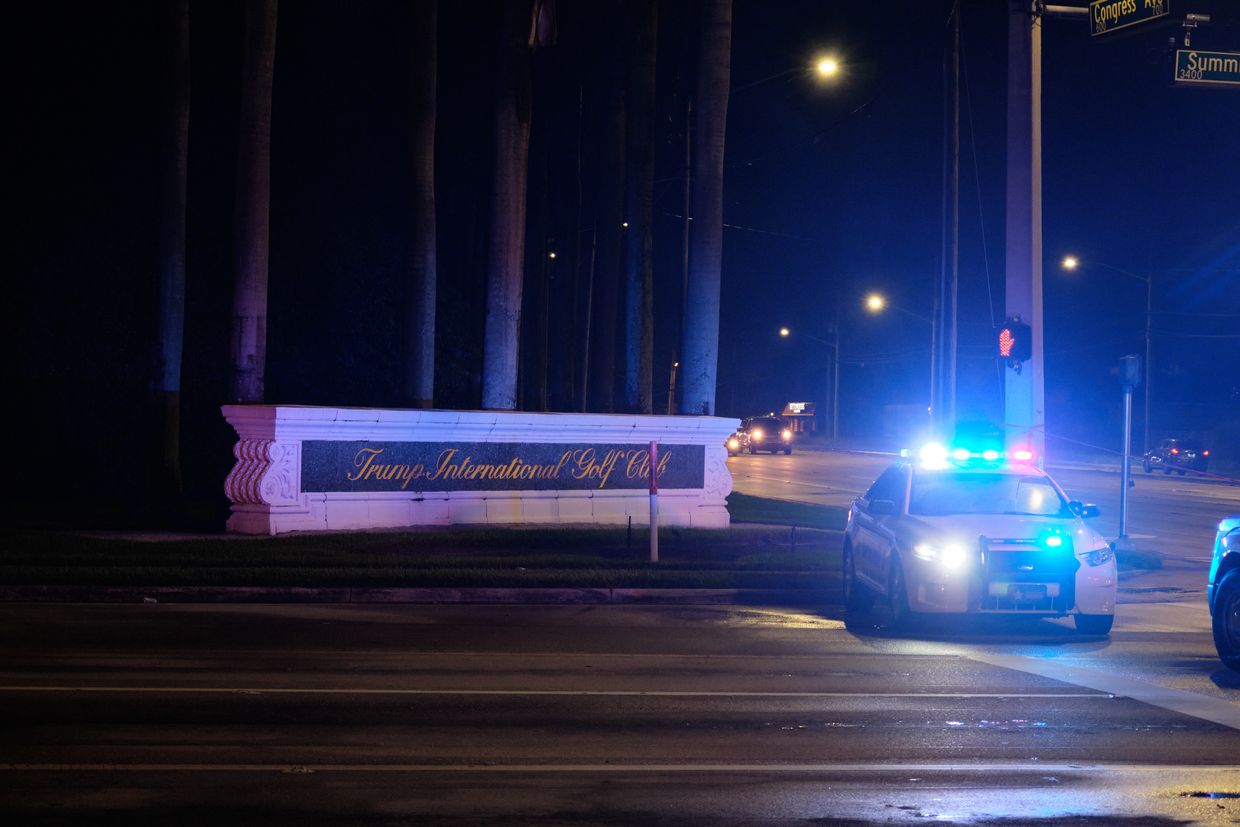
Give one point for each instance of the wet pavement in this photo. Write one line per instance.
(607, 715)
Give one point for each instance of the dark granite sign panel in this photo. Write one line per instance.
(328, 466)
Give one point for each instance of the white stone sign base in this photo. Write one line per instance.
(265, 486)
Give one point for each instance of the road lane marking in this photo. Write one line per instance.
(1226, 713)
(1038, 767)
(287, 690)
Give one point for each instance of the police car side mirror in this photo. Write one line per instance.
(1084, 510)
(882, 508)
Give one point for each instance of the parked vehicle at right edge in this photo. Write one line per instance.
(1223, 592)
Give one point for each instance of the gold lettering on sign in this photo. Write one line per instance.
(368, 469)
(581, 464)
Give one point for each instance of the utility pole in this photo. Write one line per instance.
(943, 327)
(1024, 407)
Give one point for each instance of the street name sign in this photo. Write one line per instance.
(1111, 15)
(1197, 68)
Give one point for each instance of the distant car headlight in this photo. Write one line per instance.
(734, 443)
(1099, 556)
(757, 435)
(949, 556)
(785, 435)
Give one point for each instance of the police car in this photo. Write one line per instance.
(966, 532)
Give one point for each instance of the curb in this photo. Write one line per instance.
(530, 596)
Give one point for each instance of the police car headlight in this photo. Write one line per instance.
(785, 435)
(757, 435)
(949, 556)
(1099, 556)
(734, 443)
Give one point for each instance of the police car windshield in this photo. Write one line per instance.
(937, 495)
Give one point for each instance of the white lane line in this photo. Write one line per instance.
(1226, 713)
(1038, 767)
(285, 690)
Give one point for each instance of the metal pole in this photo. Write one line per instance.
(1125, 469)
(654, 502)
(835, 376)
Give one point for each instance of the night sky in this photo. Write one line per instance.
(831, 190)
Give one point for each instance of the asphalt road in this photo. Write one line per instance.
(187, 714)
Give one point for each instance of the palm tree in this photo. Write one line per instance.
(253, 208)
(501, 341)
(174, 160)
(420, 323)
(701, 335)
(609, 214)
(639, 200)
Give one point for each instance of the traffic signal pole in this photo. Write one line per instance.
(1024, 408)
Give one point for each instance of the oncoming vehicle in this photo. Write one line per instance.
(1223, 593)
(766, 433)
(1176, 455)
(971, 533)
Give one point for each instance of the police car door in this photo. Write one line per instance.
(874, 536)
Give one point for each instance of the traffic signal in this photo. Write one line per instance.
(1015, 342)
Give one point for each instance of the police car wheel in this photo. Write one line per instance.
(1227, 620)
(897, 597)
(1094, 624)
(857, 598)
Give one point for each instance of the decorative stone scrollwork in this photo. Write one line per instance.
(280, 483)
(265, 473)
(718, 483)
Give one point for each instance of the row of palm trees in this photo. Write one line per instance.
(621, 274)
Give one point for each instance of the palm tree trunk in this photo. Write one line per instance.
(174, 169)
(501, 343)
(610, 218)
(420, 338)
(639, 199)
(701, 338)
(253, 208)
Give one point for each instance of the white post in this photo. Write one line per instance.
(654, 501)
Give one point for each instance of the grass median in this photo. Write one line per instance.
(772, 545)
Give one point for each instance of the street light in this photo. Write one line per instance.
(1071, 263)
(835, 373)
(825, 67)
(876, 303)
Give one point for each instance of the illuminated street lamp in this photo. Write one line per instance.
(827, 66)
(1071, 263)
(877, 303)
(835, 373)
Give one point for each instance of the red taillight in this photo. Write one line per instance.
(1205, 453)
(1175, 450)
(1022, 455)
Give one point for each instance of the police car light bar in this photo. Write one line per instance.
(934, 454)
